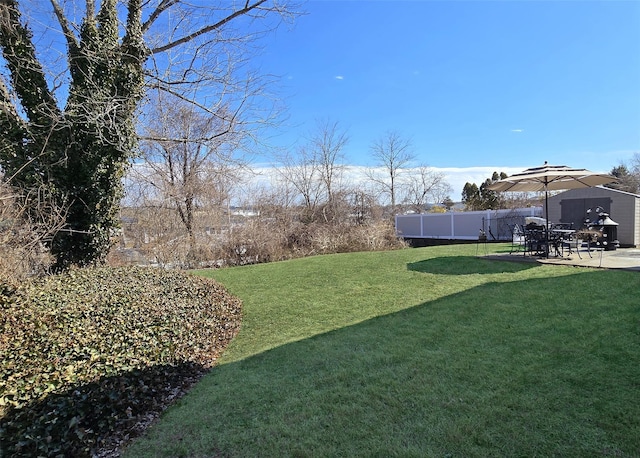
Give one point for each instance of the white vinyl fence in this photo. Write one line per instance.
(496, 224)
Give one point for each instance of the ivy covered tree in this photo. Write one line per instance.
(69, 134)
(78, 153)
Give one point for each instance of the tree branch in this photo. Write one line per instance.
(72, 42)
(210, 28)
(27, 75)
(162, 7)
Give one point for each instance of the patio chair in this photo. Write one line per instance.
(535, 241)
(561, 237)
(518, 241)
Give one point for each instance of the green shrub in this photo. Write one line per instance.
(94, 353)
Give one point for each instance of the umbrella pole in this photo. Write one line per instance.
(546, 229)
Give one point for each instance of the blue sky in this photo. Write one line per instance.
(498, 84)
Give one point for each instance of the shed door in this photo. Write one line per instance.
(575, 210)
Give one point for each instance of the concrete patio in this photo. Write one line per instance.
(622, 258)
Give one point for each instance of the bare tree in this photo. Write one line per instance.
(365, 208)
(326, 145)
(190, 162)
(635, 163)
(425, 185)
(391, 153)
(302, 172)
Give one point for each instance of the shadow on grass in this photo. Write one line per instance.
(463, 265)
(503, 369)
(95, 416)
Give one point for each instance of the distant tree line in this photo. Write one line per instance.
(628, 176)
(182, 197)
(481, 198)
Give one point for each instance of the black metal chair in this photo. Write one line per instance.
(560, 237)
(535, 240)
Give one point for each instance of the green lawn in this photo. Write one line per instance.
(418, 352)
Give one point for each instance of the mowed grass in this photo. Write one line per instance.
(418, 352)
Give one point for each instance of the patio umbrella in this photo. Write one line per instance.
(550, 178)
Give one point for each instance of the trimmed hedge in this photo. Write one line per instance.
(91, 356)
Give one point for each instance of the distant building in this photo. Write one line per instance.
(245, 212)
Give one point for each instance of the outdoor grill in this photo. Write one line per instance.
(610, 231)
(607, 227)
